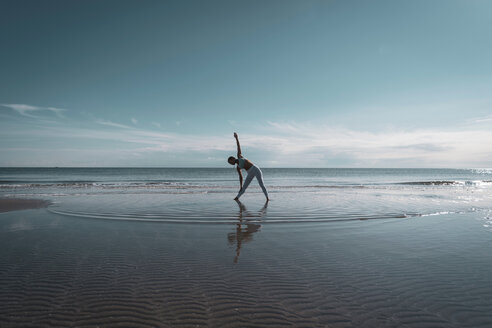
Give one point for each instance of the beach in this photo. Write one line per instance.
(15, 204)
(332, 249)
(360, 129)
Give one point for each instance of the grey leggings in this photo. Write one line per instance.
(253, 171)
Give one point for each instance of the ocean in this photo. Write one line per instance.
(169, 247)
(203, 195)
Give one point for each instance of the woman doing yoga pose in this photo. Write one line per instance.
(253, 171)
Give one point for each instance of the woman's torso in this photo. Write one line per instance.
(244, 163)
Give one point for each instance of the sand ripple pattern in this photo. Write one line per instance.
(94, 273)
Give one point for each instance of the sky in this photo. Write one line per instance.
(303, 83)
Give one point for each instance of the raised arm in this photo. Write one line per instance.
(239, 154)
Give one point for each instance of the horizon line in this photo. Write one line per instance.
(223, 167)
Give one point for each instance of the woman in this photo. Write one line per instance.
(253, 171)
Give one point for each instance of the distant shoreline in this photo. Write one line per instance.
(227, 167)
(17, 204)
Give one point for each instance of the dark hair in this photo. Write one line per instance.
(231, 158)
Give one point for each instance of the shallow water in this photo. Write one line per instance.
(333, 248)
(299, 195)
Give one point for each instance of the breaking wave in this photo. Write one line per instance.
(449, 183)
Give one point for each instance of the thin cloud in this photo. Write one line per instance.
(113, 124)
(134, 120)
(287, 144)
(285, 127)
(424, 147)
(147, 141)
(27, 110)
(482, 120)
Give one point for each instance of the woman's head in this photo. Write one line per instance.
(231, 160)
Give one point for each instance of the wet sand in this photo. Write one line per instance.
(16, 204)
(60, 271)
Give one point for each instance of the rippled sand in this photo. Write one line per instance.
(81, 271)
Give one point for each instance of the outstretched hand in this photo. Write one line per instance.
(235, 135)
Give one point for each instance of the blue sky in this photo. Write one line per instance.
(304, 83)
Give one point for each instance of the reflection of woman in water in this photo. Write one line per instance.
(245, 234)
(253, 171)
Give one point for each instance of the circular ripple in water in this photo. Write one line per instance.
(220, 208)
